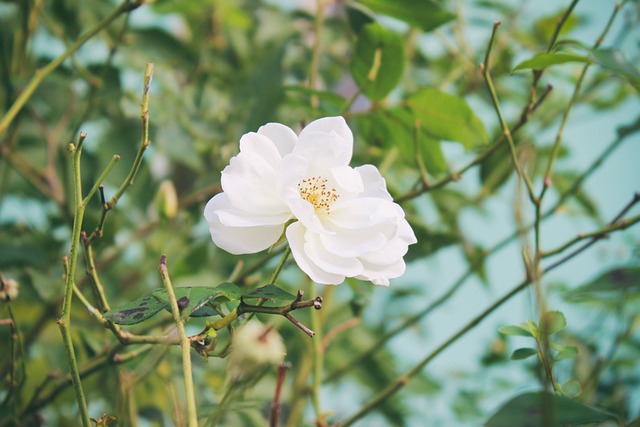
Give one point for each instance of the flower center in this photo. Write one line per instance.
(315, 191)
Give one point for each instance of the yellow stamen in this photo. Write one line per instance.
(315, 191)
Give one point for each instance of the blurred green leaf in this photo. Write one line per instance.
(547, 59)
(527, 410)
(615, 283)
(552, 322)
(448, 117)
(378, 61)
(523, 353)
(424, 14)
(271, 292)
(515, 330)
(571, 389)
(564, 351)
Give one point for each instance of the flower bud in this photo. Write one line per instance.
(255, 346)
(9, 289)
(167, 200)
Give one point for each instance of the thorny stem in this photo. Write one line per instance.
(404, 379)
(185, 345)
(40, 74)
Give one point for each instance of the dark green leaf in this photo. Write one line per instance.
(552, 322)
(612, 284)
(192, 299)
(358, 17)
(547, 59)
(448, 117)
(527, 410)
(378, 61)
(135, 311)
(515, 330)
(523, 353)
(270, 291)
(425, 14)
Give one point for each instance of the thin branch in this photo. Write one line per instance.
(190, 397)
(505, 128)
(40, 74)
(404, 379)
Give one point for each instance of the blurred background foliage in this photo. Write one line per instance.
(405, 74)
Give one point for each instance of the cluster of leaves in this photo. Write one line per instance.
(224, 68)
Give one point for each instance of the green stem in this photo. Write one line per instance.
(144, 141)
(404, 379)
(64, 322)
(40, 74)
(505, 128)
(278, 269)
(101, 178)
(185, 345)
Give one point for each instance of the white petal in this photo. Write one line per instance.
(329, 125)
(252, 178)
(374, 183)
(238, 240)
(328, 261)
(348, 180)
(362, 212)
(306, 214)
(354, 243)
(380, 275)
(325, 143)
(281, 136)
(296, 238)
(220, 206)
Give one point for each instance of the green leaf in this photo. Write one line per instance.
(552, 322)
(272, 292)
(425, 14)
(330, 98)
(614, 284)
(378, 61)
(614, 61)
(571, 389)
(192, 299)
(547, 59)
(523, 353)
(447, 117)
(564, 352)
(429, 148)
(515, 330)
(527, 410)
(135, 311)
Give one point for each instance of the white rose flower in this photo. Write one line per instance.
(346, 223)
